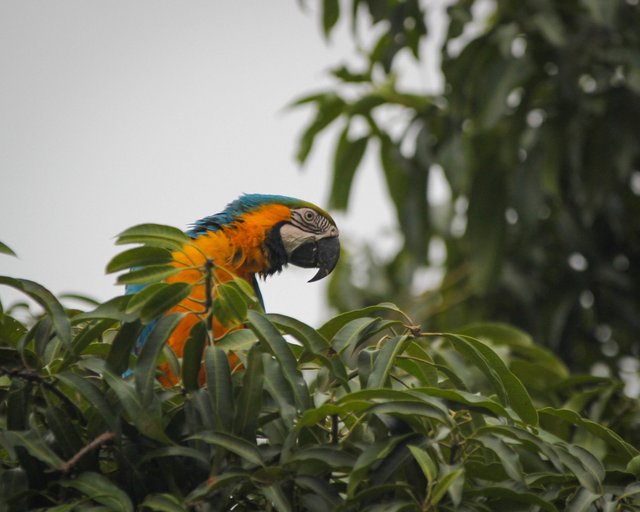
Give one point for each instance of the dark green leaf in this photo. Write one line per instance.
(100, 489)
(330, 15)
(163, 300)
(270, 336)
(145, 370)
(241, 447)
(47, 300)
(220, 387)
(347, 157)
(192, 356)
(249, 400)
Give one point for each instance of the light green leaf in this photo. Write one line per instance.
(5, 249)
(385, 361)
(444, 484)
(425, 462)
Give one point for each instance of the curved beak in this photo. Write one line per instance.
(322, 254)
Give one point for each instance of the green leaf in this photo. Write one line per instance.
(241, 447)
(444, 484)
(175, 451)
(597, 429)
(270, 336)
(347, 157)
(370, 456)
(385, 361)
(329, 107)
(425, 462)
(249, 400)
(33, 443)
(114, 309)
(240, 339)
(93, 396)
(164, 503)
(633, 466)
(330, 328)
(506, 455)
(192, 356)
(330, 15)
(150, 274)
(312, 342)
(486, 227)
(332, 456)
(506, 384)
(471, 400)
(5, 249)
(122, 347)
(156, 235)
(506, 497)
(219, 387)
(230, 306)
(276, 495)
(146, 420)
(100, 489)
(139, 257)
(308, 336)
(47, 300)
(145, 370)
(11, 330)
(163, 300)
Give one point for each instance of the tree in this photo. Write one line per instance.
(367, 412)
(535, 134)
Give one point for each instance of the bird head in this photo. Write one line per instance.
(289, 231)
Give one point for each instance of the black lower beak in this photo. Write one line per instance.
(322, 254)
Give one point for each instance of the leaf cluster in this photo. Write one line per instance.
(534, 140)
(366, 412)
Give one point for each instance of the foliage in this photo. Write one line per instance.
(535, 135)
(366, 412)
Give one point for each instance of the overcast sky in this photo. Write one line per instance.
(122, 112)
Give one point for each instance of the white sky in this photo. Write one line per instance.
(122, 112)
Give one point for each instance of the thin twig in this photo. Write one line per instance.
(97, 442)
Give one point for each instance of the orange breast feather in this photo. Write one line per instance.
(236, 250)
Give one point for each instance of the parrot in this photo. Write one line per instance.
(256, 235)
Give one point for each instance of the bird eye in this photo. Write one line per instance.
(308, 215)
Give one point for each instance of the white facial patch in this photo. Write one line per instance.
(293, 237)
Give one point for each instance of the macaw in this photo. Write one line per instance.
(256, 235)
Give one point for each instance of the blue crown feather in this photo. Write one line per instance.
(245, 203)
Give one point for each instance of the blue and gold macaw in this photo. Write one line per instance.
(256, 235)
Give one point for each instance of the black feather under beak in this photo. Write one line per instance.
(322, 254)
